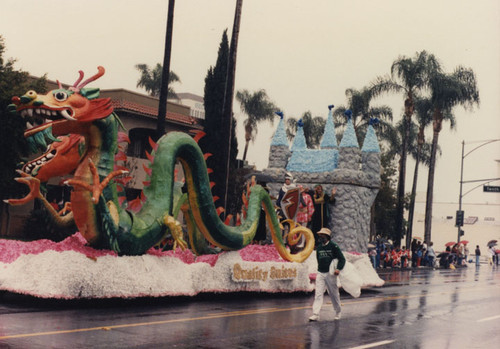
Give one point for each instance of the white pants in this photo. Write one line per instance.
(326, 281)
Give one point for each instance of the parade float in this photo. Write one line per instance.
(117, 249)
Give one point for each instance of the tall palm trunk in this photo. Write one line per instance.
(402, 165)
(437, 125)
(248, 138)
(411, 209)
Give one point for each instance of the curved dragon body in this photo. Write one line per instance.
(94, 200)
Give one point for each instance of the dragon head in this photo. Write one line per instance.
(60, 158)
(60, 109)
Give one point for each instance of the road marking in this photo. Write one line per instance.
(489, 318)
(220, 315)
(373, 345)
(107, 328)
(247, 311)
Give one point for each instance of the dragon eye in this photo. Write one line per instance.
(60, 96)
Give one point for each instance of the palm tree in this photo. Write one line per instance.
(258, 107)
(313, 129)
(418, 149)
(421, 154)
(408, 76)
(358, 101)
(447, 91)
(151, 79)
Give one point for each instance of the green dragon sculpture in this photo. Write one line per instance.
(94, 200)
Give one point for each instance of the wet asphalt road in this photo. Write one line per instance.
(416, 309)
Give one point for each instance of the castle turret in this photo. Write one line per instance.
(329, 140)
(299, 142)
(370, 154)
(349, 153)
(280, 149)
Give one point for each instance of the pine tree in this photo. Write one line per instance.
(215, 140)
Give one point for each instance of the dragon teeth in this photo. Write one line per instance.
(65, 114)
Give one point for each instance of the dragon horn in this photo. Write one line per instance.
(93, 78)
(59, 84)
(79, 79)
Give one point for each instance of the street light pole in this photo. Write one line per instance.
(460, 197)
(459, 223)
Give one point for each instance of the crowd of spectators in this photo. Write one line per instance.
(420, 254)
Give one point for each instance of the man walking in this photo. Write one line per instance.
(326, 252)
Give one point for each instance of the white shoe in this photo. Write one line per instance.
(338, 316)
(314, 318)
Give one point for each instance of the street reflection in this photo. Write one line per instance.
(396, 276)
(324, 336)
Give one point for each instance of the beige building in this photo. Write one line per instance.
(194, 102)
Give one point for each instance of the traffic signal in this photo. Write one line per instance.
(460, 219)
(462, 233)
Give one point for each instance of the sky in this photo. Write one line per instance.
(305, 54)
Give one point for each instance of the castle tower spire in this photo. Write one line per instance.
(280, 149)
(349, 152)
(370, 144)
(329, 140)
(349, 139)
(370, 154)
(279, 137)
(299, 142)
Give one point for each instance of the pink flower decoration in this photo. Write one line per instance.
(260, 253)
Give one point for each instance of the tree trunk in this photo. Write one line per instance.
(402, 167)
(245, 151)
(411, 209)
(162, 107)
(430, 181)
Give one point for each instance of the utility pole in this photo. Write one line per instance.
(459, 219)
(162, 107)
(227, 110)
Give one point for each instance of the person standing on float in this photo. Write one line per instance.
(326, 253)
(321, 213)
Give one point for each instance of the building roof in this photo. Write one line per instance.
(187, 95)
(122, 104)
